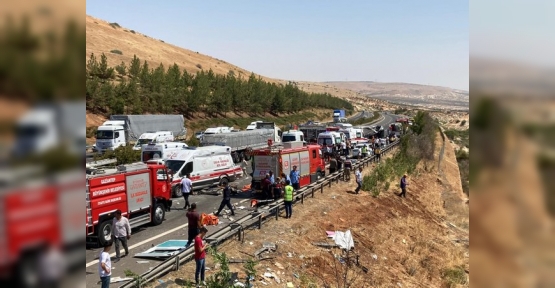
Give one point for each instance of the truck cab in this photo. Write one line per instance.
(252, 126)
(292, 136)
(153, 137)
(110, 135)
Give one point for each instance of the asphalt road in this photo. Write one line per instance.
(142, 237)
(145, 237)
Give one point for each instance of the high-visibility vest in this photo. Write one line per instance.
(288, 194)
(364, 150)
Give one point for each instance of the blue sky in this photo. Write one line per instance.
(423, 42)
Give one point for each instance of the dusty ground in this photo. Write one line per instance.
(406, 241)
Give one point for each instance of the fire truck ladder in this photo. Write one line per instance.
(99, 163)
(89, 208)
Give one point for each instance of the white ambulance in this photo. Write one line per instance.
(160, 151)
(208, 166)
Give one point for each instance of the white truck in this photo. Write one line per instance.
(243, 141)
(153, 137)
(217, 130)
(292, 136)
(252, 126)
(47, 126)
(160, 151)
(122, 130)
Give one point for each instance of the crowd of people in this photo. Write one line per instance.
(273, 188)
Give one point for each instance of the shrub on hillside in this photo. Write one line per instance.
(124, 155)
(91, 131)
(115, 25)
(199, 66)
(115, 51)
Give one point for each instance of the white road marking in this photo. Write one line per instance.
(142, 242)
(150, 239)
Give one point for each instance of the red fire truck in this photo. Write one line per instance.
(281, 159)
(34, 217)
(141, 191)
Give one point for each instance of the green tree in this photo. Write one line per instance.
(135, 67)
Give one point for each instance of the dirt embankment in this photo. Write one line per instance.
(403, 242)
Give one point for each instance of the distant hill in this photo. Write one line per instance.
(409, 94)
(119, 44)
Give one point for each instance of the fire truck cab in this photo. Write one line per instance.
(281, 159)
(141, 191)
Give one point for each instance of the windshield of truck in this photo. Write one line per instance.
(325, 141)
(104, 134)
(143, 141)
(338, 140)
(30, 131)
(174, 165)
(148, 155)
(288, 138)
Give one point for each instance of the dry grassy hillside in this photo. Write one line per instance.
(103, 37)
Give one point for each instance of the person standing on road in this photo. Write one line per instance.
(295, 175)
(403, 186)
(278, 188)
(226, 201)
(347, 170)
(364, 151)
(358, 176)
(266, 186)
(344, 148)
(186, 188)
(194, 223)
(121, 232)
(288, 199)
(200, 256)
(105, 266)
(333, 165)
(284, 178)
(378, 153)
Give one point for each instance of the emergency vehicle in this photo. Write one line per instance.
(135, 189)
(208, 165)
(35, 216)
(160, 151)
(281, 159)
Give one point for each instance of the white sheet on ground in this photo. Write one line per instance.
(344, 239)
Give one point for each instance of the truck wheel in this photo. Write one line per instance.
(177, 191)
(319, 175)
(159, 214)
(105, 232)
(223, 181)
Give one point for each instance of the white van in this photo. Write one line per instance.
(207, 165)
(292, 136)
(330, 138)
(160, 151)
(153, 137)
